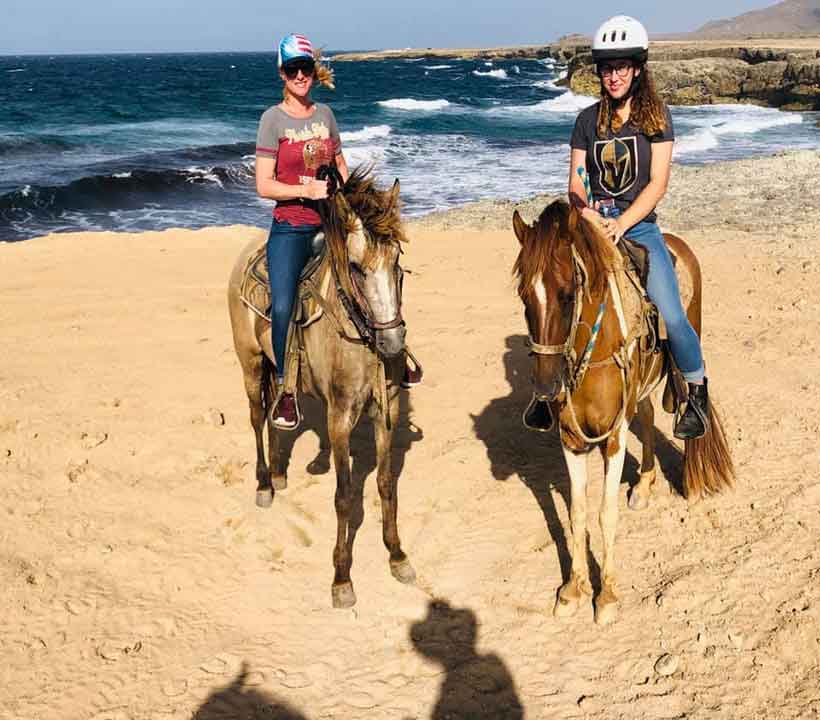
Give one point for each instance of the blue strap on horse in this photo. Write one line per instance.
(587, 354)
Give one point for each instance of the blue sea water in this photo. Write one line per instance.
(139, 142)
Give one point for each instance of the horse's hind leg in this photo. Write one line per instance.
(388, 491)
(642, 492)
(340, 424)
(254, 375)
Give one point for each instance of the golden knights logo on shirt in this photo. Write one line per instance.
(617, 162)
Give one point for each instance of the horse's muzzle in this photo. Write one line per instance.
(390, 343)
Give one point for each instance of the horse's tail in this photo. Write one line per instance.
(707, 462)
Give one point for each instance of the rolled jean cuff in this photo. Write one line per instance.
(696, 376)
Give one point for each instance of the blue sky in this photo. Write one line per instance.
(57, 26)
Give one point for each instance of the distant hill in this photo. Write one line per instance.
(790, 17)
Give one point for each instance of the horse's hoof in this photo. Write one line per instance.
(279, 482)
(264, 498)
(567, 602)
(606, 606)
(605, 613)
(319, 466)
(343, 596)
(637, 501)
(403, 571)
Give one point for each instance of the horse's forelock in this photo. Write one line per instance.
(539, 256)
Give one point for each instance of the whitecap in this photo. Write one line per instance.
(122, 175)
(437, 67)
(368, 132)
(412, 104)
(498, 74)
(568, 102)
(16, 70)
(698, 141)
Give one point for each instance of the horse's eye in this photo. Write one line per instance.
(356, 268)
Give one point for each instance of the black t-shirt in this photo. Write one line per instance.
(618, 165)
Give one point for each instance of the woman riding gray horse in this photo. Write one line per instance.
(295, 139)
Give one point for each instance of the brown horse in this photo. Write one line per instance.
(594, 370)
(353, 359)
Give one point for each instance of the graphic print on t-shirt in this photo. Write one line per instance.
(312, 143)
(617, 162)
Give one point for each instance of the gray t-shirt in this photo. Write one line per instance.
(300, 147)
(618, 165)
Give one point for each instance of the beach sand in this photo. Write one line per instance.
(139, 581)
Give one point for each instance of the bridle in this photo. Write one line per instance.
(356, 304)
(575, 370)
(567, 349)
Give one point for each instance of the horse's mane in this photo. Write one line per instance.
(547, 249)
(360, 201)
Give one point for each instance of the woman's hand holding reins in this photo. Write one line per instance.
(315, 190)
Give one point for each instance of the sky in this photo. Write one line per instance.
(92, 26)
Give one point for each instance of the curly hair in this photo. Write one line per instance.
(647, 112)
(322, 74)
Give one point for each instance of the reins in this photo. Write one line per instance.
(574, 373)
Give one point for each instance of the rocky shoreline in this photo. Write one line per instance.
(783, 74)
(737, 195)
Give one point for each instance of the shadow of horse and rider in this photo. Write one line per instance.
(475, 686)
(537, 458)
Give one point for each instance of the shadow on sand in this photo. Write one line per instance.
(537, 458)
(239, 702)
(475, 687)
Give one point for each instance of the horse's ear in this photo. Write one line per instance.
(394, 192)
(520, 227)
(574, 218)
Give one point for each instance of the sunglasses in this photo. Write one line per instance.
(291, 70)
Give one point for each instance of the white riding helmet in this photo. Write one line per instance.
(620, 38)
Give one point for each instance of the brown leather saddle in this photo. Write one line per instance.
(255, 289)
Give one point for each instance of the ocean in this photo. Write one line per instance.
(146, 142)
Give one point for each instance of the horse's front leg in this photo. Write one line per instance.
(642, 492)
(578, 586)
(340, 421)
(606, 604)
(278, 472)
(388, 489)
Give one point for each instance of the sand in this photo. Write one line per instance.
(139, 581)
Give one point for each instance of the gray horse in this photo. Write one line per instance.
(354, 357)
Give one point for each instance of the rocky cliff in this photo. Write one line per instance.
(701, 76)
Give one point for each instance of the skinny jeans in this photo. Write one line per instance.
(662, 288)
(288, 250)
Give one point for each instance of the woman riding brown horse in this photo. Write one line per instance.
(594, 370)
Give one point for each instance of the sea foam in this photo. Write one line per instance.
(498, 74)
(368, 132)
(411, 104)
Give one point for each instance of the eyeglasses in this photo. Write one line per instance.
(621, 70)
(291, 70)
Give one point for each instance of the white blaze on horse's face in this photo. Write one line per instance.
(378, 282)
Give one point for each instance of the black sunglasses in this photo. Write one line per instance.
(308, 67)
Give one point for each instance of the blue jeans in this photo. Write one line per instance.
(662, 288)
(289, 249)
